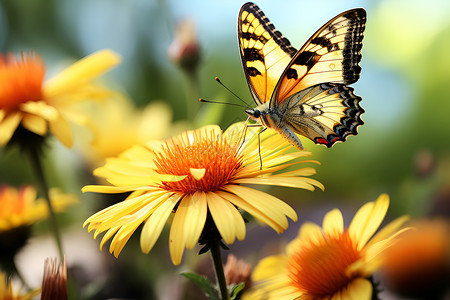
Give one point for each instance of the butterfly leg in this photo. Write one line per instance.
(259, 146)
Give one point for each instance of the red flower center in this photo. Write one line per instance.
(21, 80)
(319, 268)
(212, 153)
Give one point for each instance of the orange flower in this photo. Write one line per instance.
(419, 263)
(38, 105)
(331, 262)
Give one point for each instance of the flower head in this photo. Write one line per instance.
(419, 263)
(7, 292)
(54, 282)
(329, 262)
(22, 207)
(37, 105)
(185, 49)
(196, 174)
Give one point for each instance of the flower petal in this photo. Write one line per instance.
(295, 182)
(62, 131)
(270, 209)
(358, 289)
(40, 108)
(81, 72)
(198, 173)
(333, 223)
(177, 236)
(196, 212)
(155, 223)
(8, 126)
(367, 220)
(35, 124)
(227, 218)
(388, 230)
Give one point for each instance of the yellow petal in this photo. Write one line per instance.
(155, 223)
(295, 182)
(311, 232)
(81, 72)
(367, 220)
(333, 223)
(40, 108)
(269, 267)
(35, 124)
(8, 126)
(106, 189)
(128, 228)
(196, 212)
(177, 237)
(388, 230)
(62, 131)
(198, 173)
(227, 218)
(358, 289)
(262, 206)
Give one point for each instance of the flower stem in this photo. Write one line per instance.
(218, 269)
(35, 159)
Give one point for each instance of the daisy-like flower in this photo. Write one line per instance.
(22, 207)
(27, 100)
(193, 175)
(331, 262)
(116, 125)
(419, 263)
(7, 291)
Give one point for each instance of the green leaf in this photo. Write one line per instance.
(204, 284)
(236, 289)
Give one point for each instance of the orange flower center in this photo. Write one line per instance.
(319, 269)
(21, 80)
(212, 153)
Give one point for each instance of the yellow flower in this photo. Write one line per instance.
(38, 105)
(21, 208)
(329, 262)
(116, 125)
(197, 173)
(7, 293)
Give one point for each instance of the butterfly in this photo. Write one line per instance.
(304, 92)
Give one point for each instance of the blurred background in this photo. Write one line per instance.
(403, 148)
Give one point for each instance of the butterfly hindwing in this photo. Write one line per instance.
(332, 54)
(265, 53)
(325, 113)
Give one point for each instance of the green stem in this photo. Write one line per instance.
(35, 159)
(192, 94)
(218, 269)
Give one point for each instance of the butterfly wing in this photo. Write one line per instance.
(325, 113)
(265, 53)
(332, 54)
(312, 91)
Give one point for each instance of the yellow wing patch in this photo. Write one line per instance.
(332, 54)
(265, 53)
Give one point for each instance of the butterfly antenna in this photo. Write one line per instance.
(217, 102)
(234, 94)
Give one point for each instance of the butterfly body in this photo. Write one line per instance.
(303, 92)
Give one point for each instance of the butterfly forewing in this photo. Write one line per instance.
(265, 53)
(332, 54)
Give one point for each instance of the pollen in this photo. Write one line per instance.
(319, 268)
(213, 153)
(21, 80)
